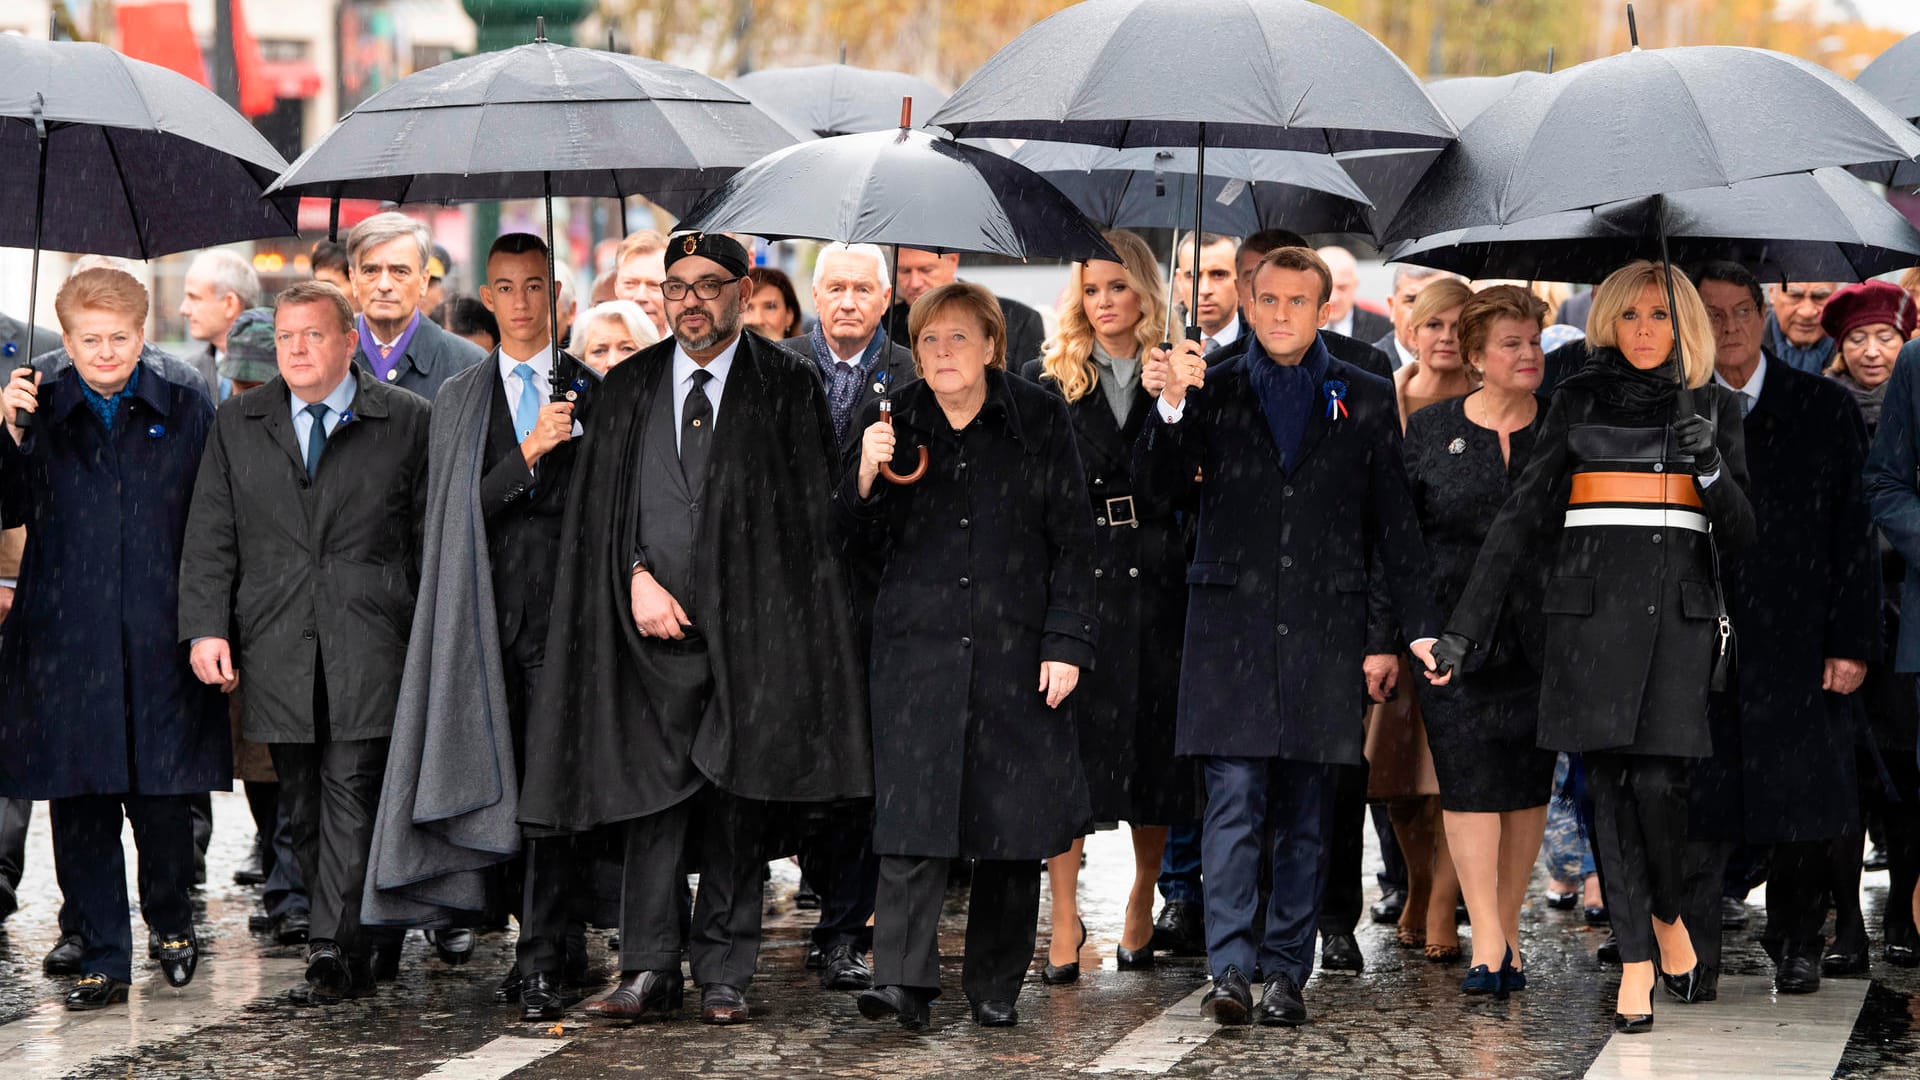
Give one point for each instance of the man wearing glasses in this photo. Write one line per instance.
(702, 671)
(1794, 336)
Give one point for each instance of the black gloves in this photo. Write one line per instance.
(1450, 654)
(1696, 437)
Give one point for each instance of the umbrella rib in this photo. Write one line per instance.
(121, 173)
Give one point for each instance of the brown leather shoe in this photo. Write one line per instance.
(640, 994)
(722, 1004)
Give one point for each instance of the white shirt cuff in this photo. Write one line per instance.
(1170, 413)
(1707, 480)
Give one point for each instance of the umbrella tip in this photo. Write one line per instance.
(906, 112)
(539, 29)
(1633, 29)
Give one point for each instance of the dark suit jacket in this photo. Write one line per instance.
(291, 569)
(523, 508)
(1277, 591)
(898, 362)
(16, 345)
(1026, 331)
(433, 357)
(1370, 325)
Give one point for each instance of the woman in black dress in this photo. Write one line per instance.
(1625, 479)
(986, 582)
(1464, 457)
(1111, 315)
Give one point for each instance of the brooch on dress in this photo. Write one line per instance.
(1457, 446)
(1336, 391)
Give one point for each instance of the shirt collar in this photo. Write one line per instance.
(1229, 333)
(541, 363)
(1343, 326)
(336, 400)
(718, 367)
(1406, 356)
(1752, 389)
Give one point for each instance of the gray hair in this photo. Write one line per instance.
(230, 273)
(869, 251)
(639, 327)
(1405, 272)
(563, 300)
(384, 227)
(111, 262)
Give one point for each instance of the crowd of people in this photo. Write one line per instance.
(473, 603)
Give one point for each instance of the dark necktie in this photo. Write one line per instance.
(317, 437)
(1213, 346)
(696, 430)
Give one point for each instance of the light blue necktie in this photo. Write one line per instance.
(527, 413)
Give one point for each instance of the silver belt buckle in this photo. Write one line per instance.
(1120, 511)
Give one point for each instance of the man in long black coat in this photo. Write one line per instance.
(298, 577)
(703, 661)
(1304, 482)
(1805, 602)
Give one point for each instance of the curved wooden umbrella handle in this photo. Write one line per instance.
(886, 468)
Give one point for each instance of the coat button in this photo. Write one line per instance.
(966, 643)
(1659, 466)
(1656, 538)
(965, 582)
(1099, 573)
(1099, 482)
(393, 375)
(1099, 521)
(1281, 629)
(307, 634)
(963, 523)
(1133, 571)
(1287, 491)
(1286, 562)
(1651, 609)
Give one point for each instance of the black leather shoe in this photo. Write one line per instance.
(1838, 962)
(1387, 909)
(65, 956)
(1609, 951)
(292, 928)
(1231, 999)
(9, 900)
(641, 994)
(1876, 858)
(178, 958)
(1133, 959)
(1733, 913)
(1281, 1004)
(1683, 988)
(540, 1000)
(1596, 915)
(386, 961)
(723, 1004)
(327, 970)
(153, 944)
(846, 969)
(816, 957)
(1901, 956)
(1796, 975)
(1633, 1025)
(995, 1014)
(509, 989)
(1181, 929)
(250, 871)
(96, 991)
(454, 947)
(1061, 974)
(904, 1004)
(1341, 953)
(805, 898)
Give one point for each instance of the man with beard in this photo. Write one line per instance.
(703, 663)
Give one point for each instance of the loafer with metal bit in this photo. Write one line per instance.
(179, 956)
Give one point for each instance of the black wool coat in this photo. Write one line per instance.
(789, 718)
(1277, 610)
(1783, 765)
(303, 575)
(96, 694)
(1629, 611)
(986, 570)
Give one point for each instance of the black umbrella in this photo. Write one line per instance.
(837, 99)
(1894, 78)
(901, 188)
(1278, 75)
(1824, 225)
(145, 161)
(536, 121)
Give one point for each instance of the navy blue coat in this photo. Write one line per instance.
(96, 695)
(1893, 488)
(1277, 592)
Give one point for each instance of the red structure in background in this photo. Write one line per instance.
(162, 33)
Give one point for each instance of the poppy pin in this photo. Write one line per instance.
(579, 384)
(10, 349)
(156, 431)
(1336, 391)
(346, 417)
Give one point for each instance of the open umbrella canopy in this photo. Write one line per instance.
(1248, 190)
(1269, 74)
(1818, 226)
(141, 161)
(534, 120)
(1464, 98)
(1894, 78)
(1645, 122)
(837, 99)
(904, 187)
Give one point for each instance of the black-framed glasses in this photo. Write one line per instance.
(706, 288)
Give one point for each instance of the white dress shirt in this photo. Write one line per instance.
(1751, 391)
(683, 369)
(1228, 334)
(542, 365)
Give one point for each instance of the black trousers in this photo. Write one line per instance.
(15, 816)
(721, 837)
(91, 866)
(1346, 841)
(1639, 839)
(837, 859)
(1003, 920)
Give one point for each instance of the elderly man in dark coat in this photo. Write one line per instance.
(703, 662)
(99, 710)
(1805, 602)
(387, 261)
(1301, 455)
(302, 555)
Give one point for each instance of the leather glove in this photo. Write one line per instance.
(1450, 654)
(1696, 436)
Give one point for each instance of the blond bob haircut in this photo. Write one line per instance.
(1612, 297)
(1489, 306)
(101, 289)
(1443, 295)
(974, 300)
(316, 292)
(1068, 359)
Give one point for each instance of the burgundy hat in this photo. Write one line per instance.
(1865, 304)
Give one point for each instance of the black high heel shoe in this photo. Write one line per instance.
(1637, 1024)
(1684, 988)
(1133, 959)
(1059, 975)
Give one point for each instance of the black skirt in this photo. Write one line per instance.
(1482, 733)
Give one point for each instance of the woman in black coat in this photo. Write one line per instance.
(986, 580)
(99, 710)
(1464, 457)
(1111, 315)
(1626, 479)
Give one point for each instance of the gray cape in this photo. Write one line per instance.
(450, 802)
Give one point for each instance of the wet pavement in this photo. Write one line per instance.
(1403, 1018)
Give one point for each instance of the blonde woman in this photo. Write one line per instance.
(1631, 609)
(1110, 316)
(1439, 371)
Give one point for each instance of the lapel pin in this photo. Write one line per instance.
(156, 431)
(573, 395)
(345, 418)
(1336, 391)
(10, 349)
(393, 374)
(1457, 446)
(579, 384)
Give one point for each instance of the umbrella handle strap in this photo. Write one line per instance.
(886, 467)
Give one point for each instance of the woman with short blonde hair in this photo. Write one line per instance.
(1618, 293)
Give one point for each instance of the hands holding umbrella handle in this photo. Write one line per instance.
(1170, 373)
(876, 453)
(21, 398)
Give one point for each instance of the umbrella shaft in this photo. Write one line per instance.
(556, 379)
(1199, 223)
(24, 420)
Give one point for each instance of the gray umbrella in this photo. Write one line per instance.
(1256, 74)
(1466, 97)
(837, 99)
(1824, 225)
(1894, 78)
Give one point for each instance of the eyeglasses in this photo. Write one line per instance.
(706, 288)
